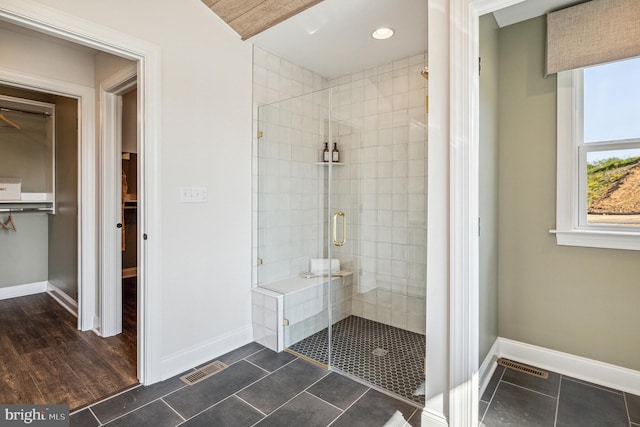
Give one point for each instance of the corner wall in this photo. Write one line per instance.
(581, 301)
(488, 197)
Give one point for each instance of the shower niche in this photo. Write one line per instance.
(367, 212)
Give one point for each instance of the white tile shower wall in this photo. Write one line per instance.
(379, 121)
(306, 310)
(287, 183)
(267, 318)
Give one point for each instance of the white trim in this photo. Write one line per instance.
(488, 366)
(110, 91)
(571, 208)
(36, 16)
(87, 267)
(63, 299)
(23, 290)
(199, 354)
(590, 370)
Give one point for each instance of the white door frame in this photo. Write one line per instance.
(87, 214)
(38, 17)
(453, 155)
(111, 91)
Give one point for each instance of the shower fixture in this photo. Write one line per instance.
(425, 73)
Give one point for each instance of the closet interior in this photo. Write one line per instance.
(38, 195)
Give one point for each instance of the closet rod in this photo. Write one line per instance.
(12, 210)
(39, 113)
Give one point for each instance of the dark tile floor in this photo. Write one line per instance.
(385, 356)
(513, 398)
(258, 388)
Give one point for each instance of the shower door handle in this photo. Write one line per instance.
(336, 242)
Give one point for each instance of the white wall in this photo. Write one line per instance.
(205, 141)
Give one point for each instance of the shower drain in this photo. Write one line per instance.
(380, 352)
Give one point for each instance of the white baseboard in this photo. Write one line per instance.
(433, 419)
(63, 299)
(590, 370)
(23, 290)
(184, 360)
(488, 366)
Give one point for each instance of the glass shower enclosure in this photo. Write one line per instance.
(344, 242)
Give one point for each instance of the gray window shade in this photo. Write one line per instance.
(592, 33)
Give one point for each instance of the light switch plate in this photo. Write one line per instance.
(194, 195)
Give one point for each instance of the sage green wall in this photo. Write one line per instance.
(582, 301)
(488, 182)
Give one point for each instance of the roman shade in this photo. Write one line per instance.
(594, 32)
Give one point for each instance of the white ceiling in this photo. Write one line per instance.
(333, 38)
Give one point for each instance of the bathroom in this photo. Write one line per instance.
(365, 209)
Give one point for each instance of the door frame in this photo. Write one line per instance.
(110, 194)
(38, 17)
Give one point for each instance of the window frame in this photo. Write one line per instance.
(572, 228)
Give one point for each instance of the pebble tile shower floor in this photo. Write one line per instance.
(385, 356)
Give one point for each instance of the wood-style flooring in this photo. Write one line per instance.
(45, 359)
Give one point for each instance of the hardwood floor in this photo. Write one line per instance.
(44, 358)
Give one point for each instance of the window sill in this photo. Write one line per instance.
(598, 239)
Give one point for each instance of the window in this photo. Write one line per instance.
(598, 198)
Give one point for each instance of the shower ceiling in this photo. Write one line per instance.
(333, 38)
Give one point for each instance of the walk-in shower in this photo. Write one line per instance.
(367, 211)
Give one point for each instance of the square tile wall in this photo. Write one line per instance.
(267, 313)
(379, 122)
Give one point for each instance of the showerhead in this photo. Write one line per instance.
(425, 73)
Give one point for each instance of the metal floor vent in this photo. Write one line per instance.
(203, 373)
(523, 368)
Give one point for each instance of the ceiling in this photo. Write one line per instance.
(333, 38)
(250, 17)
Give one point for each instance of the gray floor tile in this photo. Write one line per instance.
(240, 353)
(338, 390)
(156, 414)
(198, 397)
(274, 390)
(304, 410)
(633, 403)
(83, 418)
(229, 412)
(270, 360)
(493, 384)
(585, 406)
(547, 386)
(482, 408)
(416, 418)
(514, 406)
(135, 398)
(375, 409)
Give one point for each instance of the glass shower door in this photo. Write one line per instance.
(291, 216)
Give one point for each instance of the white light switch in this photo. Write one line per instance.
(194, 195)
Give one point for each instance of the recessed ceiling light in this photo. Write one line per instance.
(382, 33)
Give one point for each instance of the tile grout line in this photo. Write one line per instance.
(257, 409)
(298, 394)
(555, 419)
(626, 406)
(592, 385)
(105, 399)
(94, 416)
(173, 409)
(493, 394)
(528, 389)
(322, 400)
(349, 407)
(127, 413)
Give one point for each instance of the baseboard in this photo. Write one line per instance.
(596, 372)
(488, 366)
(432, 419)
(184, 360)
(23, 290)
(63, 299)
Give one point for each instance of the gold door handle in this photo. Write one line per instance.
(335, 229)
